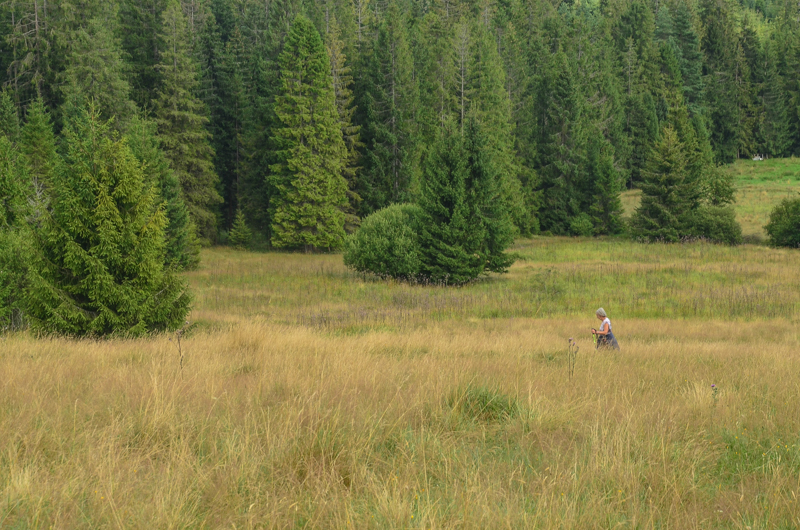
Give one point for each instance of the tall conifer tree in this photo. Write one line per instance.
(562, 150)
(9, 117)
(14, 245)
(182, 249)
(450, 243)
(182, 123)
(387, 111)
(100, 264)
(310, 191)
(488, 205)
(491, 107)
(38, 145)
(664, 205)
(95, 70)
(343, 95)
(691, 58)
(774, 134)
(233, 115)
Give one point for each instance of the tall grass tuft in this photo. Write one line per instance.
(483, 404)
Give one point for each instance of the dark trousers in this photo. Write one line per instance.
(607, 341)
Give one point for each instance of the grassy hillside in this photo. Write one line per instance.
(760, 186)
(311, 397)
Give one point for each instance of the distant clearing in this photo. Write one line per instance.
(760, 186)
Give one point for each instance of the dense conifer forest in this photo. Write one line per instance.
(304, 116)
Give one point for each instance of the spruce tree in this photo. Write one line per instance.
(343, 94)
(95, 70)
(9, 118)
(774, 134)
(660, 215)
(240, 235)
(642, 128)
(140, 24)
(38, 145)
(387, 110)
(256, 187)
(691, 58)
(14, 249)
(14, 190)
(182, 123)
(233, 115)
(720, 46)
(488, 205)
(450, 244)
(491, 107)
(605, 205)
(182, 247)
(100, 250)
(436, 66)
(563, 150)
(310, 189)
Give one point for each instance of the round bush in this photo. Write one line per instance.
(386, 243)
(581, 225)
(715, 223)
(783, 228)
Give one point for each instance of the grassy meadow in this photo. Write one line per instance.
(760, 186)
(312, 397)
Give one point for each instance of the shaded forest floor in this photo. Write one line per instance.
(312, 397)
(760, 186)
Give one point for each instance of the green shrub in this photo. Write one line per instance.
(581, 225)
(715, 223)
(783, 227)
(387, 243)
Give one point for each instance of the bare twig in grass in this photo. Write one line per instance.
(178, 337)
(572, 354)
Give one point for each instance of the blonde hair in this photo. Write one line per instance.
(601, 312)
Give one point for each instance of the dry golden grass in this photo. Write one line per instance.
(450, 422)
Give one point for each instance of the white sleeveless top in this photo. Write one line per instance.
(605, 321)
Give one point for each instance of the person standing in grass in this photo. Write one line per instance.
(605, 339)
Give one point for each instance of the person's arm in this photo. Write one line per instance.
(603, 329)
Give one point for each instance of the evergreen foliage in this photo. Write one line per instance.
(488, 203)
(310, 191)
(691, 58)
(605, 211)
(570, 100)
(14, 194)
(182, 123)
(343, 96)
(232, 112)
(99, 266)
(240, 235)
(664, 191)
(783, 227)
(9, 119)
(490, 107)
(38, 145)
(450, 245)
(386, 111)
(563, 150)
(182, 245)
(95, 70)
